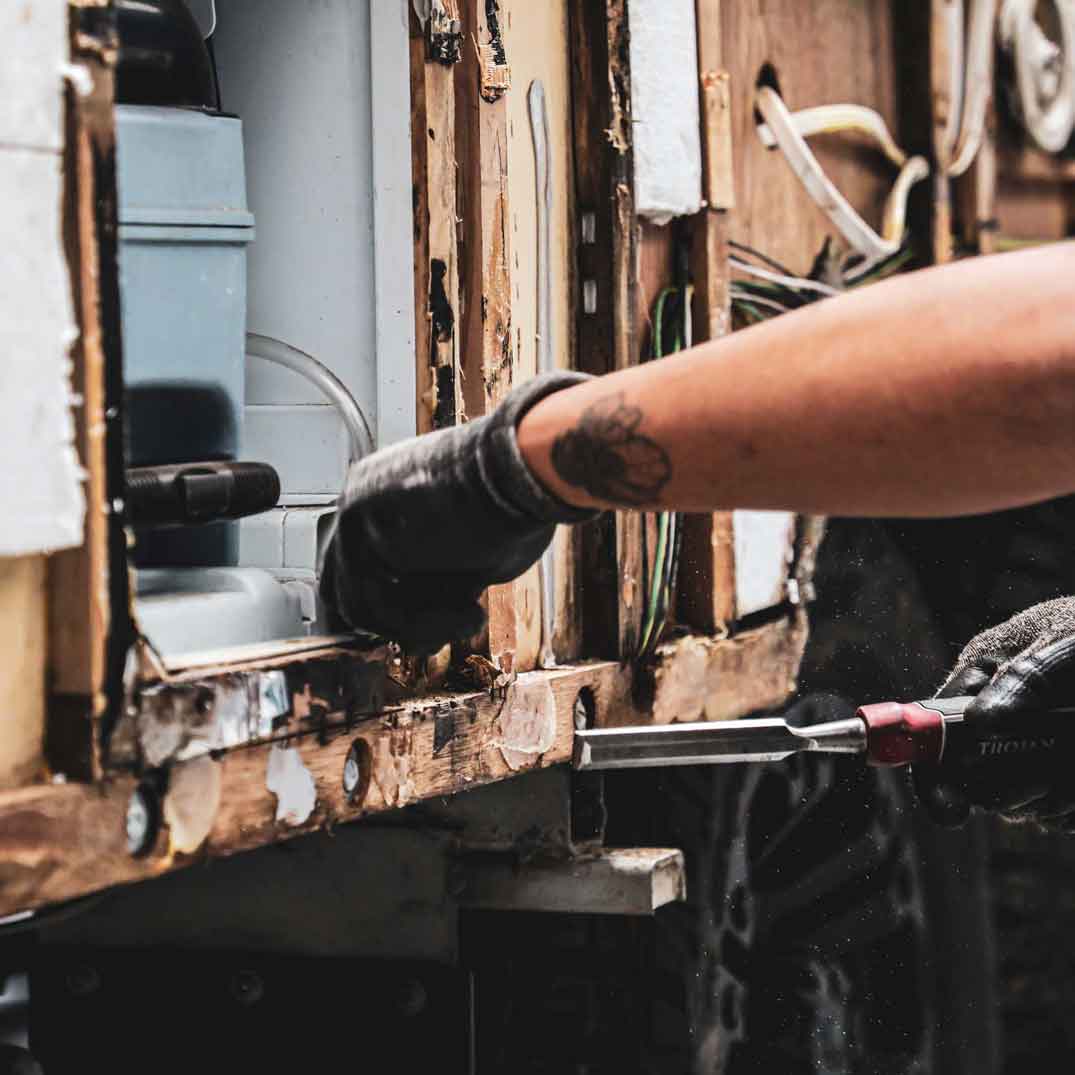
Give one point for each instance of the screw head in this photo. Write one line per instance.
(141, 821)
(351, 773)
(356, 772)
(247, 988)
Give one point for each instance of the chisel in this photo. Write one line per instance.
(885, 734)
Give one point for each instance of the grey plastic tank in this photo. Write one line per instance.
(184, 227)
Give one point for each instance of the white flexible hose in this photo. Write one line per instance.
(1044, 72)
(318, 374)
(834, 119)
(858, 234)
(800, 283)
(977, 84)
(954, 40)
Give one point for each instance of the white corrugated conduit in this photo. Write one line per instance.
(1044, 70)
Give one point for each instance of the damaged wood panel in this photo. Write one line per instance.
(706, 592)
(22, 669)
(487, 347)
(87, 594)
(822, 52)
(436, 267)
(535, 36)
(608, 260)
(699, 678)
(61, 841)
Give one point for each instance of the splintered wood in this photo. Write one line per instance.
(58, 842)
(483, 141)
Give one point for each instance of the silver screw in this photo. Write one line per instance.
(352, 773)
(139, 822)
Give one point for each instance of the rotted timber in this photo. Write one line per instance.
(343, 750)
(89, 618)
(607, 317)
(706, 597)
(488, 360)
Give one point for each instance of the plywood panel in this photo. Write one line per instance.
(536, 40)
(22, 669)
(822, 52)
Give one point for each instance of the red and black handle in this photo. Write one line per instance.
(934, 732)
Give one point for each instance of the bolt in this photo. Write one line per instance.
(351, 773)
(356, 770)
(247, 988)
(83, 981)
(141, 821)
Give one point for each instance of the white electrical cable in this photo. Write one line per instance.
(318, 374)
(859, 235)
(798, 282)
(1044, 71)
(976, 85)
(835, 119)
(954, 41)
(894, 221)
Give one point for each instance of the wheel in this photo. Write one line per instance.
(815, 937)
(828, 927)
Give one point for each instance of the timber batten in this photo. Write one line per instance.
(62, 841)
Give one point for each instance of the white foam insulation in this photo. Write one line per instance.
(40, 482)
(764, 549)
(664, 109)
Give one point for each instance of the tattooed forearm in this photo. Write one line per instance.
(607, 456)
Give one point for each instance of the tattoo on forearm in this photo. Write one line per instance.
(607, 456)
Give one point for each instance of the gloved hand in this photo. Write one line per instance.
(1022, 665)
(426, 525)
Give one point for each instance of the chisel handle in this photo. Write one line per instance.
(935, 732)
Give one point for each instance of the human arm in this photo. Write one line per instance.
(943, 392)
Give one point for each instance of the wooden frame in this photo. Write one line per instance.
(216, 728)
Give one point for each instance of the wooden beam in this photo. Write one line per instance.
(941, 106)
(22, 669)
(483, 78)
(63, 841)
(706, 597)
(89, 622)
(535, 38)
(436, 261)
(608, 258)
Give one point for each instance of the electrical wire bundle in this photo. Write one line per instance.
(762, 288)
(671, 333)
(772, 289)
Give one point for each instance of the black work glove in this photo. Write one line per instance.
(1024, 665)
(426, 525)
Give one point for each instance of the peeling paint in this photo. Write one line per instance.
(493, 60)
(293, 785)
(191, 804)
(526, 728)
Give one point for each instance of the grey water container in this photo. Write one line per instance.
(184, 227)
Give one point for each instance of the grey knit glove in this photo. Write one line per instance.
(426, 525)
(1022, 665)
